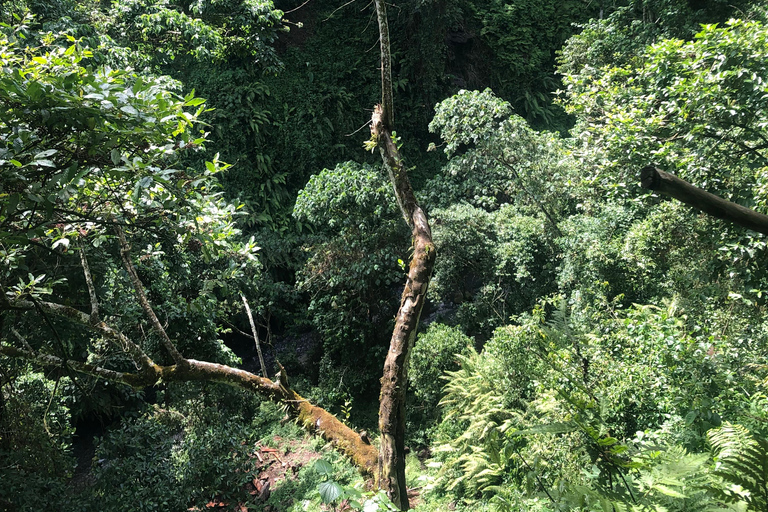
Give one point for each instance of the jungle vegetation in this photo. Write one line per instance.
(220, 219)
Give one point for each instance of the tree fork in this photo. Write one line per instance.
(657, 180)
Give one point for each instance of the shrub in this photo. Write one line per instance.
(434, 354)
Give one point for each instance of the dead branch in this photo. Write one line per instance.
(255, 336)
(314, 419)
(91, 289)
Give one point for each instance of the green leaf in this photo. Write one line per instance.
(128, 109)
(194, 102)
(45, 154)
(323, 467)
(329, 491)
(667, 491)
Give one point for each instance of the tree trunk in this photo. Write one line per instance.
(665, 183)
(391, 474)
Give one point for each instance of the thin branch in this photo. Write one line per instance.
(142, 297)
(48, 322)
(297, 8)
(539, 203)
(77, 316)
(91, 288)
(338, 9)
(22, 340)
(80, 367)
(255, 336)
(241, 333)
(534, 473)
(387, 103)
(361, 128)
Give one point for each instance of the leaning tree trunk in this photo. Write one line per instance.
(391, 475)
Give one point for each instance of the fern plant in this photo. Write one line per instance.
(480, 455)
(742, 461)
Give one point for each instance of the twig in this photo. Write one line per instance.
(338, 9)
(297, 8)
(533, 196)
(48, 407)
(366, 124)
(535, 474)
(62, 350)
(75, 315)
(22, 339)
(241, 333)
(50, 360)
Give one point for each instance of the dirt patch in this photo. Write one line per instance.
(273, 466)
(279, 464)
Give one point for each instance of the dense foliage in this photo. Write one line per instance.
(586, 346)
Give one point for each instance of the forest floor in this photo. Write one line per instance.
(275, 467)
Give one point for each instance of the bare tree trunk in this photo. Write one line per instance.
(665, 183)
(391, 476)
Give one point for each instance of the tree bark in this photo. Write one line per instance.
(657, 180)
(391, 475)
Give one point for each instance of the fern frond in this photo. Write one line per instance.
(742, 461)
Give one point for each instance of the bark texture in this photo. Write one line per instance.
(394, 381)
(391, 475)
(655, 179)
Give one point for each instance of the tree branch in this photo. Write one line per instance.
(391, 468)
(91, 289)
(655, 179)
(387, 103)
(85, 368)
(539, 203)
(241, 333)
(77, 316)
(22, 340)
(314, 419)
(142, 297)
(255, 337)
